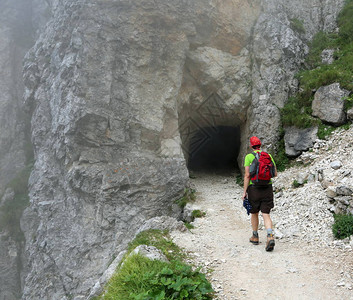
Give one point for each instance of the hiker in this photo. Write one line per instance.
(259, 192)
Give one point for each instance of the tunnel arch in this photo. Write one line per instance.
(211, 135)
(214, 149)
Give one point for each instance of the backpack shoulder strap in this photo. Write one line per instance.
(256, 153)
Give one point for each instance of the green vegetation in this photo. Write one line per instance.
(348, 102)
(281, 159)
(198, 213)
(140, 278)
(297, 111)
(343, 226)
(297, 25)
(296, 184)
(143, 279)
(239, 180)
(189, 226)
(345, 126)
(320, 42)
(159, 239)
(189, 196)
(325, 131)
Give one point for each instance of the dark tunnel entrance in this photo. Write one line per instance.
(215, 149)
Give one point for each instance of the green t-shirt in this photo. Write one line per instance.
(250, 157)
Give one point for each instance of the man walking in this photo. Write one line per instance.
(260, 196)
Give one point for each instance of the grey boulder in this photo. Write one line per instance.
(328, 104)
(298, 140)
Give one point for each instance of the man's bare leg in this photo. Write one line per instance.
(267, 221)
(255, 225)
(270, 239)
(255, 221)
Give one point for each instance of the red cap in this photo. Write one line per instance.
(255, 141)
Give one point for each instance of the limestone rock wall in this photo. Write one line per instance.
(100, 81)
(116, 90)
(278, 50)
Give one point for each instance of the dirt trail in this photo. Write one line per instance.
(240, 270)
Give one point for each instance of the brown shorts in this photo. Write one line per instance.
(260, 198)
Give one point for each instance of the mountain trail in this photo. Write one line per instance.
(296, 269)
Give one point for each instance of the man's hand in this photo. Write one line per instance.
(246, 181)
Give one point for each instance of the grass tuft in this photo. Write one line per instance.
(343, 226)
(143, 279)
(297, 25)
(297, 111)
(198, 213)
(159, 239)
(140, 278)
(189, 196)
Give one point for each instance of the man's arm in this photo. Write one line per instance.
(246, 181)
(274, 165)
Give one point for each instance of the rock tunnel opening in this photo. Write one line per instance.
(214, 149)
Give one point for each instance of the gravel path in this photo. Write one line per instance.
(296, 269)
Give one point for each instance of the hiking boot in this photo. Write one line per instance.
(254, 240)
(270, 243)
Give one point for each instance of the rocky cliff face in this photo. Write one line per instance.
(116, 91)
(278, 50)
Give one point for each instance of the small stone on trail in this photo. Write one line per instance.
(336, 165)
(278, 234)
(292, 270)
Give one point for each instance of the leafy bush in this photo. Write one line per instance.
(143, 279)
(343, 226)
(140, 278)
